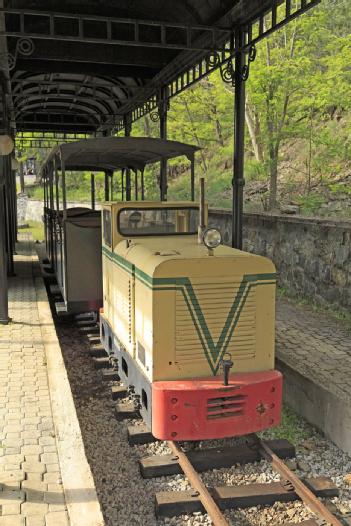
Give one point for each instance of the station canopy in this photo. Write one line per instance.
(111, 153)
(85, 67)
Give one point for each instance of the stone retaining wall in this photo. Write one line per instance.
(31, 210)
(312, 256)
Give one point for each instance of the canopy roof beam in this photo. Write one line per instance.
(178, 76)
(47, 25)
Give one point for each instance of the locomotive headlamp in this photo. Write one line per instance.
(212, 238)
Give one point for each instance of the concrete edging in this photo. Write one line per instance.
(78, 483)
(320, 407)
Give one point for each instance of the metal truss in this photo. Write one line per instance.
(57, 118)
(177, 76)
(280, 14)
(53, 136)
(139, 33)
(23, 144)
(48, 140)
(46, 86)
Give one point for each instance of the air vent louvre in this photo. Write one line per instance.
(205, 311)
(225, 407)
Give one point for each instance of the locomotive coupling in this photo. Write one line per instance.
(227, 364)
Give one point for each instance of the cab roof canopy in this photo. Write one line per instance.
(111, 153)
(86, 67)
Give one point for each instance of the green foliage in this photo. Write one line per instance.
(292, 428)
(311, 202)
(298, 114)
(36, 228)
(339, 188)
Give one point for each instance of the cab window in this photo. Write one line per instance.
(157, 221)
(106, 219)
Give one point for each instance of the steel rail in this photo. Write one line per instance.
(206, 498)
(305, 494)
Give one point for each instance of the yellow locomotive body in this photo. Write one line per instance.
(173, 312)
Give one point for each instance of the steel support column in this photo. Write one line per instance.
(13, 202)
(111, 186)
(4, 317)
(136, 189)
(122, 185)
(127, 132)
(192, 179)
(92, 190)
(107, 189)
(142, 185)
(239, 144)
(162, 110)
(9, 217)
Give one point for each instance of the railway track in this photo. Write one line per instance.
(213, 500)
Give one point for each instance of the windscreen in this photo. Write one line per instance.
(157, 221)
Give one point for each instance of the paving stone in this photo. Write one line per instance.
(12, 442)
(49, 449)
(32, 485)
(52, 478)
(59, 518)
(12, 520)
(32, 450)
(32, 458)
(49, 458)
(8, 497)
(34, 508)
(11, 451)
(11, 476)
(34, 476)
(52, 467)
(35, 521)
(54, 495)
(26, 422)
(11, 459)
(11, 509)
(33, 467)
(57, 507)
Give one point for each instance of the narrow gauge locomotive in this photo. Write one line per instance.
(190, 328)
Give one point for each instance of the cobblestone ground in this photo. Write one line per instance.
(316, 345)
(31, 492)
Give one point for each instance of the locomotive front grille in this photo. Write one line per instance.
(225, 407)
(218, 308)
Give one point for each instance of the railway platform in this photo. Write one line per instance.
(313, 351)
(45, 479)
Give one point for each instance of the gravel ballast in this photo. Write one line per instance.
(128, 500)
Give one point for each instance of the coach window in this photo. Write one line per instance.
(107, 227)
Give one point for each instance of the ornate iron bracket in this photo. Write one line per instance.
(25, 47)
(163, 106)
(228, 70)
(155, 116)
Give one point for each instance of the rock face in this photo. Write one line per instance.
(312, 256)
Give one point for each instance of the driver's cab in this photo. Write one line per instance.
(142, 220)
(147, 219)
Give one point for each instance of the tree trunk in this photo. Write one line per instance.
(253, 125)
(147, 127)
(196, 136)
(273, 180)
